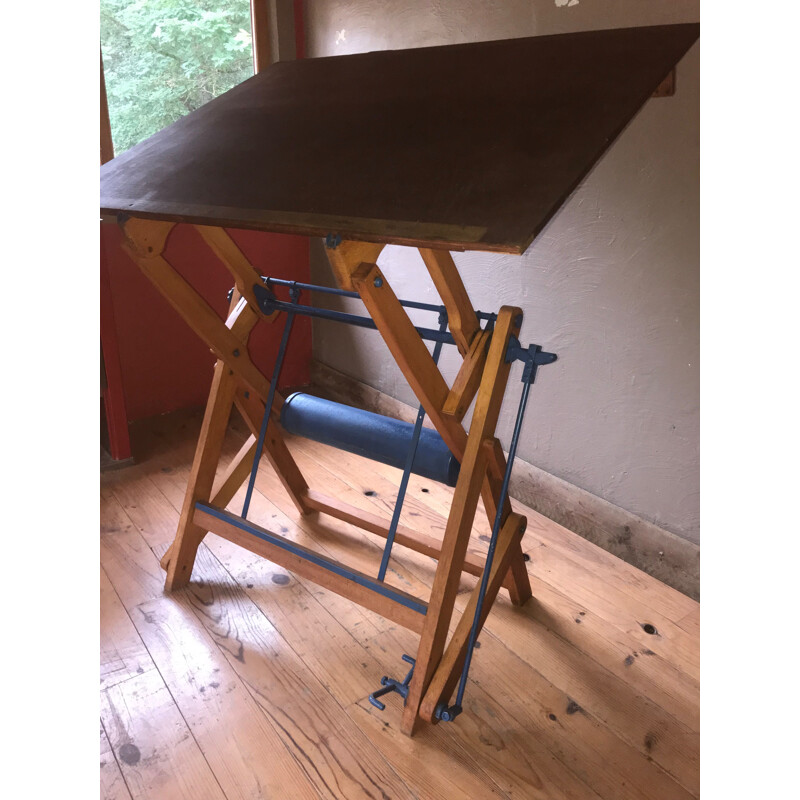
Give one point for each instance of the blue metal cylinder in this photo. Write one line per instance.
(370, 435)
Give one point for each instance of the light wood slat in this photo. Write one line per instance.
(245, 753)
(385, 606)
(126, 559)
(244, 273)
(461, 317)
(141, 504)
(406, 537)
(525, 706)
(369, 489)
(153, 745)
(347, 255)
(468, 378)
(659, 676)
(691, 623)
(427, 502)
(252, 410)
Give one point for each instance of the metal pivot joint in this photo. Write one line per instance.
(391, 685)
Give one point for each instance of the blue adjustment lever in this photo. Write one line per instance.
(392, 685)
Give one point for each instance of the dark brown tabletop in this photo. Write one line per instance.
(471, 147)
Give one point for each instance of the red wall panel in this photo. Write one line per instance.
(164, 364)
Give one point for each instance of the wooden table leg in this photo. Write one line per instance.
(462, 515)
(448, 671)
(201, 478)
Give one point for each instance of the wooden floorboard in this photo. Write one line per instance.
(253, 682)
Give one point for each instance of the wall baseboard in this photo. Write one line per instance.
(660, 553)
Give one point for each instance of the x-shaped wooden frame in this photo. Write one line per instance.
(484, 373)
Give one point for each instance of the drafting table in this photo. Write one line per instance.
(463, 147)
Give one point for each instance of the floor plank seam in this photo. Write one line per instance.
(180, 711)
(116, 760)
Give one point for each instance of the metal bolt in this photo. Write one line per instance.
(378, 282)
(236, 354)
(247, 395)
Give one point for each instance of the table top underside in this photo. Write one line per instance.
(468, 147)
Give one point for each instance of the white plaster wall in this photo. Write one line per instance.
(611, 285)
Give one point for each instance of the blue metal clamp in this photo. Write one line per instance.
(392, 685)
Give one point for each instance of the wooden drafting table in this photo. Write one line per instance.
(464, 147)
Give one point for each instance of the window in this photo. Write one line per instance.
(165, 58)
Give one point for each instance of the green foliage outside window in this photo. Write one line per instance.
(165, 58)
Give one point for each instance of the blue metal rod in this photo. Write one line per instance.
(332, 566)
(356, 296)
(262, 434)
(412, 452)
(473, 634)
(269, 305)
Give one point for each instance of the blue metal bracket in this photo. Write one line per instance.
(332, 241)
(532, 356)
(392, 685)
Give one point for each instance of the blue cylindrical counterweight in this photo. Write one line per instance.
(370, 435)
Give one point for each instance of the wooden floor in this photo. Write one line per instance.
(253, 683)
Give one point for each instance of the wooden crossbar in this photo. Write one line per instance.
(238, 383)
(394, 604)
(406, 537)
